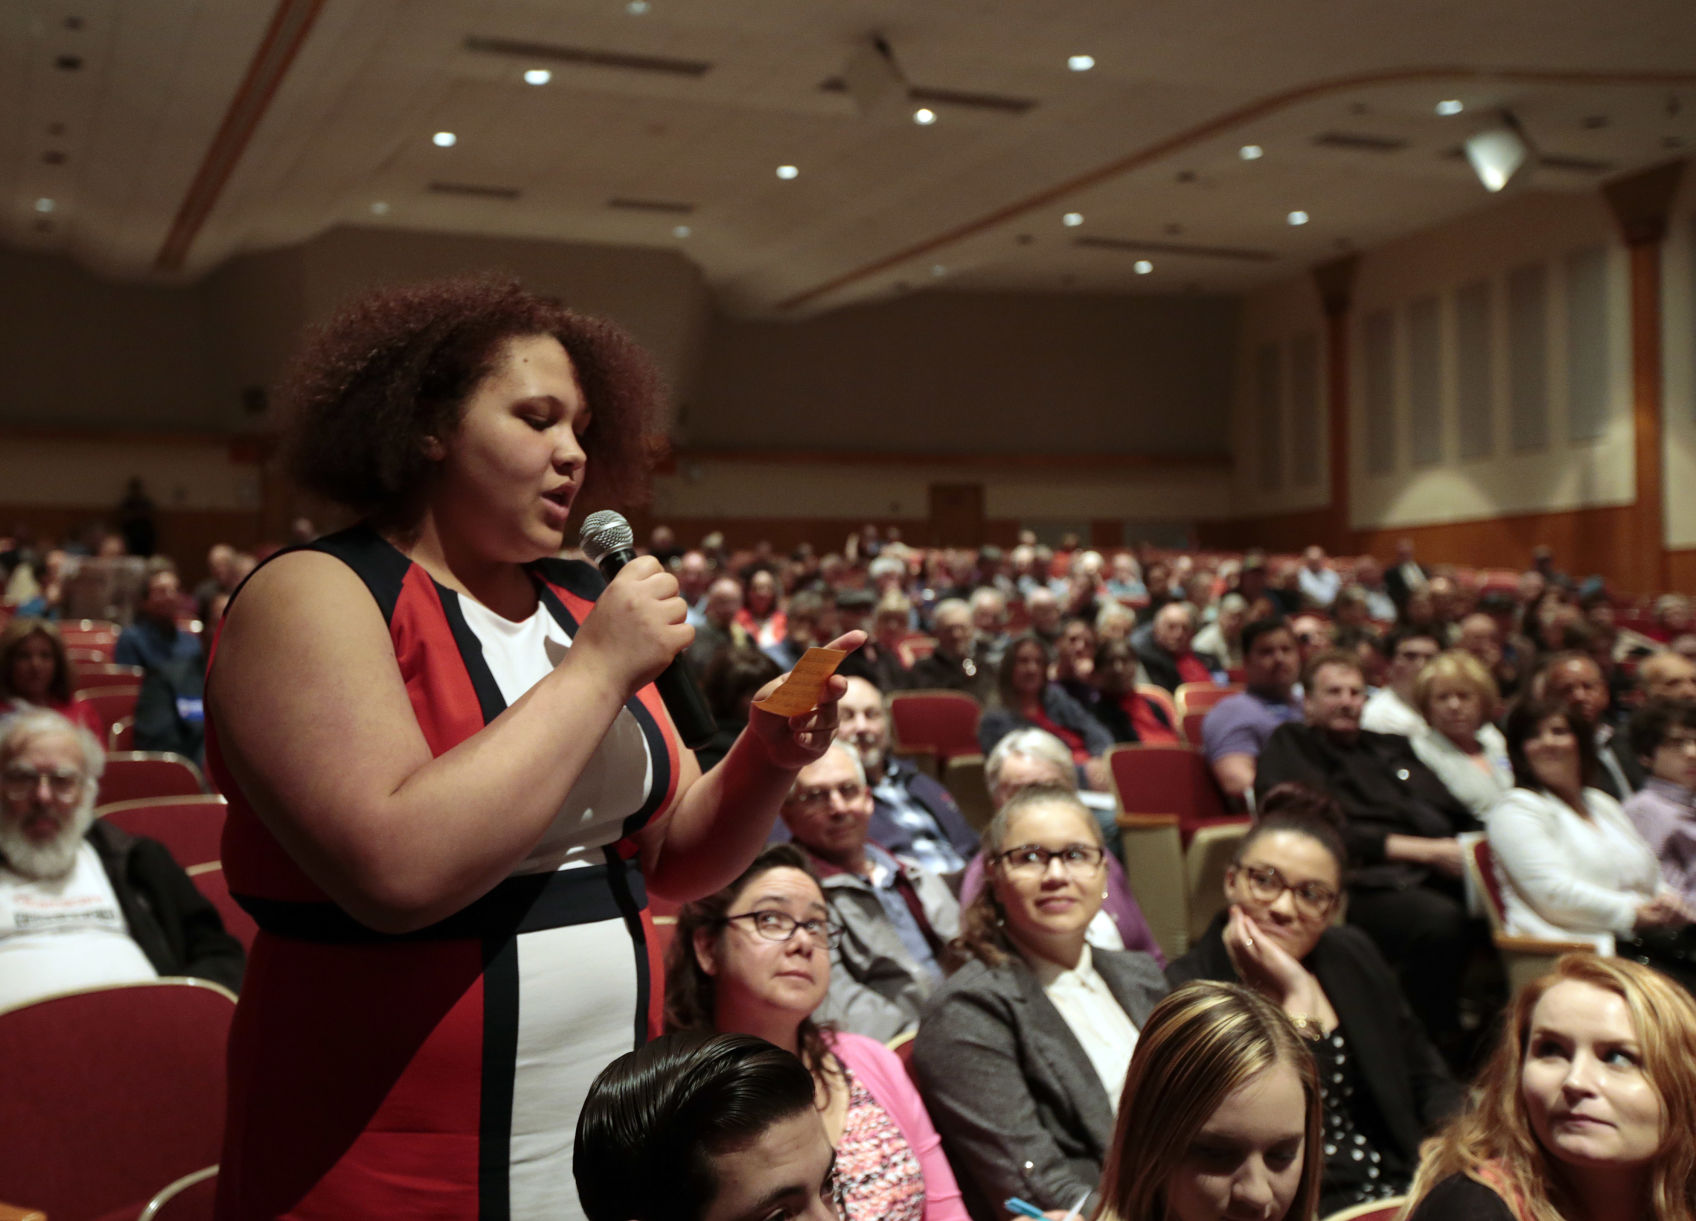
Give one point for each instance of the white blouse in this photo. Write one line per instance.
(1094, 1016)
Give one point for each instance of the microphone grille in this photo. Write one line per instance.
(603, 533)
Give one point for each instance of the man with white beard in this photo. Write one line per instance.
(82, 904)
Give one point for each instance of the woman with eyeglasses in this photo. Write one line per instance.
(755, 959)
(1385, 1086)
(1021, 1055)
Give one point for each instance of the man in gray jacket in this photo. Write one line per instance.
(897, 918)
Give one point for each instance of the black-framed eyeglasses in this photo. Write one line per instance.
(1267, 885)
(1034, 858)
(774, 925)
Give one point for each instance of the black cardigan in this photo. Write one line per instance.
(1407, 1077)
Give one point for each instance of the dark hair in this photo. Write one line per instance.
(733, 674)
(1523, 720)
(656, 1116)
(690, 992)
(1410, 631)
(1109, 650)
(1651, 724)
(1004, 674)
(1305, 811)
(12, 638)
(1329, 657)
(1254, 630)
(398, 365)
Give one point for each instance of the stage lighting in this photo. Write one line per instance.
(1498, 152)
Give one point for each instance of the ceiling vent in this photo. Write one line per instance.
(1575, 165)
(1129, 246)
(473, 189)
(552, 53)
(1360, 142)
(669, 207)
(989, 103)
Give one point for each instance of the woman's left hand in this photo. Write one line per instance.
(1266, 966)
(793, 742)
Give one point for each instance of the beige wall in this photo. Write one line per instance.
(1265, 444)
(1678, 358)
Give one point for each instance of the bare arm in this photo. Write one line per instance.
(1235, 774)
(317, 727)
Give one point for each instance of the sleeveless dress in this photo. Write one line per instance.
(439, 1073)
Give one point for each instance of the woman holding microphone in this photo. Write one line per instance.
(451, 781)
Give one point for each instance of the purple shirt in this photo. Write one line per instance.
(1664, 813)
(1240, 724)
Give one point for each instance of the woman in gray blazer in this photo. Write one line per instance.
(1021, 1054)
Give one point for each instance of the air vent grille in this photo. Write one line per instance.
(670, 207)
(993, 103)
(1131, 246)
(1577, 165)
(1360, 142)
(552, 53)
(475, 189)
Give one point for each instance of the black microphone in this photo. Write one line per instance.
(609, 544)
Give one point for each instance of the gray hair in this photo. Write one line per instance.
(18, 729)
(847, 748)
(1028, 744)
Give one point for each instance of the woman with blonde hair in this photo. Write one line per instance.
(1586, 1110)
(1220, 1115)
(1457, 697)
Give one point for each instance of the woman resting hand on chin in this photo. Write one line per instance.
(1384, 1084)
(451, 781)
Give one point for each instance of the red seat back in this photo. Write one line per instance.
(111, 1093)
(131, 775)
(94, 675)
(1489, 885)
(110, 704)
(942, 722)
(210, 881)
(1168, 780)
(191, 828)
(1199, 697)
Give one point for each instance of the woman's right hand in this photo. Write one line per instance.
(1266, 966)
(1663, 911)
(638, 625)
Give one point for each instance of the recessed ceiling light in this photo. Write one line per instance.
(379, 208)
(636, 7)
(444, 139)
(937, 269)
(924, 116)
(1297, 218)
(1450, 106)
(786, 172)
(1080, 63)
(44, 205)
(537, 76)
(1142, 267)
(681, 231)
(1072, 219)
(1251, 152)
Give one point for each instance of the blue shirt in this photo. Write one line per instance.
(884, 874)
(1240, 724)
(149, 645)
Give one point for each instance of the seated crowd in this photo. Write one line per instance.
(1306, 1053)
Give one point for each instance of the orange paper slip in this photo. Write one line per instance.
(802, 690)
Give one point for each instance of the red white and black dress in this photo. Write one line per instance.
(440, 1073)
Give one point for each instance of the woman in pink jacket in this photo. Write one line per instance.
(755, 959)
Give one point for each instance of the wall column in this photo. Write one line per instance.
(1641, 203)
(1335, 281)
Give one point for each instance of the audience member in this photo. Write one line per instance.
(1223, 637)
(891, 620)
(1405, 576)
(1168, 658)
(1124, 711)
(222, 577)
(896, 917)
(762, 615)
(1314, 634)
(1586, 1110)
(1400, 826)
(729, 684)
(1236, 729)
(1074, 660)
(989, 621)
(1220, 1117)
(1043, 607)
(1664, 675)
(1369, 579)
(692, 1127)
(1457, 698)
(1576, 680)
(36, 673)
(1393, 708)
(1571, 863)
(1022, 1054)
(1319, 582)
(1115, 621)
(755, 959)
(153, 641)
(808, 621)
(1024, 697)
(1385, 1087)
(1663, 736)
(82, 904)
(913, 815)
(1124, 579)
(694, 575)
(718, 629)
(953, 665)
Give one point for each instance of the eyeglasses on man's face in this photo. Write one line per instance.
(1267, 885)
(1035, 859)
(21, 782)
(772, 925)
(848, 792)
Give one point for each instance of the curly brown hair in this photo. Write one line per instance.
(398, 365)
(689, 993)
(13, 637)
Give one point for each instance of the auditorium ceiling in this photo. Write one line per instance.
(153, 140)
